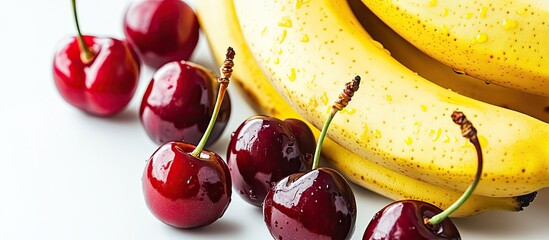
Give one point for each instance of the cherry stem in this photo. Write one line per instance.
(226, 72)
(87, 54)
(344, 98)
(469, 132)
(321, 137)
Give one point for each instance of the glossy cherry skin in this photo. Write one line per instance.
(106, 84)
(405, 220)
(314, 205)
(263, 150)
(184, 191)
(161, 31)
(179, 102)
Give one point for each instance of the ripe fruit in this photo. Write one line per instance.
(263, 150)
(401, 108)
(314, 205)
(183, 190)
(412, 219)
(178, 103)
(404, 220)
(185, 186)
(222, 29)
(318, 204)
(161, 31)
(96, 75)
(500, 42)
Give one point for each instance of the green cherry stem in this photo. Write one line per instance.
(226, 72)
(469, 132)
(321, 137)
(87, 54)
(344, 98)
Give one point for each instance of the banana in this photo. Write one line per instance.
(218, 20)
(534, 105)
(308, 48)
(504, 42)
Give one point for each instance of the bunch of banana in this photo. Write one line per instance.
(219, 21)
(500, 41)
(534, 105)
(399, 120)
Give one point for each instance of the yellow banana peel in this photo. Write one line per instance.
(533, 105)
(503, 42)
(219, 22)
(399, 120)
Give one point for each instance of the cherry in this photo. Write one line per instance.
(263, 150)
(404, 220)
(318, 204)
(413, 219)
(179, 101)
(161, 31)
(315, 205)
(185, 186)
(96, 75)
(183, 190)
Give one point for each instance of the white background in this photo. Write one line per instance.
(67, 175)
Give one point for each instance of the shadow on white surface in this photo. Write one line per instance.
(502, 225)
(221, 227)
(128, 116)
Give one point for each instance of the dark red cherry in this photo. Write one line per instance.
(315, 205)
(263, 150)
(412, 219)
(407, 220)
(179, 102)
(318, 204)
(161, 31)
(185, 191)
(304, 137)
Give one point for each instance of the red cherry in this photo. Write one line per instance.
(263, 150)
(314, 205)
(412, 219)
(185, 186)
(185, 191)
(97, 75)
(161, 31)
(178, 103)
(304, 137)
(406, 220)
